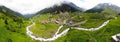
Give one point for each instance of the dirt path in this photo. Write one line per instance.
(62, 33)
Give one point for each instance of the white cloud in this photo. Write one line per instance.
(33, 6)
(28, 6)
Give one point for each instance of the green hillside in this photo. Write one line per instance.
(13, 27)
(102, 35)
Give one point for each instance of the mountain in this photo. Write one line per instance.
(64, 7)
(101, 7)
(69, 7)
(9, 12)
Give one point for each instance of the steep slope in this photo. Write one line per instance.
(12, 26)
(12, 30)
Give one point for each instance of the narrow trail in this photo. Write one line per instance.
(56, 35)
(92, 29)
(49, 39)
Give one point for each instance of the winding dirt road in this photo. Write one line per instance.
(62, 33)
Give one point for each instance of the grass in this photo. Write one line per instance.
(63, 28)
(45, 30)
(12, 31)
(94, 19)
(92, 23)
(102, 35)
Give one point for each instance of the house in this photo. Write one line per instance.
(116, 37)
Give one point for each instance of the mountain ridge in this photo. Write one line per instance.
(8, 11)
(69, 7)
(64, 7)
(102, 6)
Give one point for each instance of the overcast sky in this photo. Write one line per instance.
(33, 6)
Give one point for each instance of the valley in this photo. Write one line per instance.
(64, 23)
(69, 22)
(58, 27)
